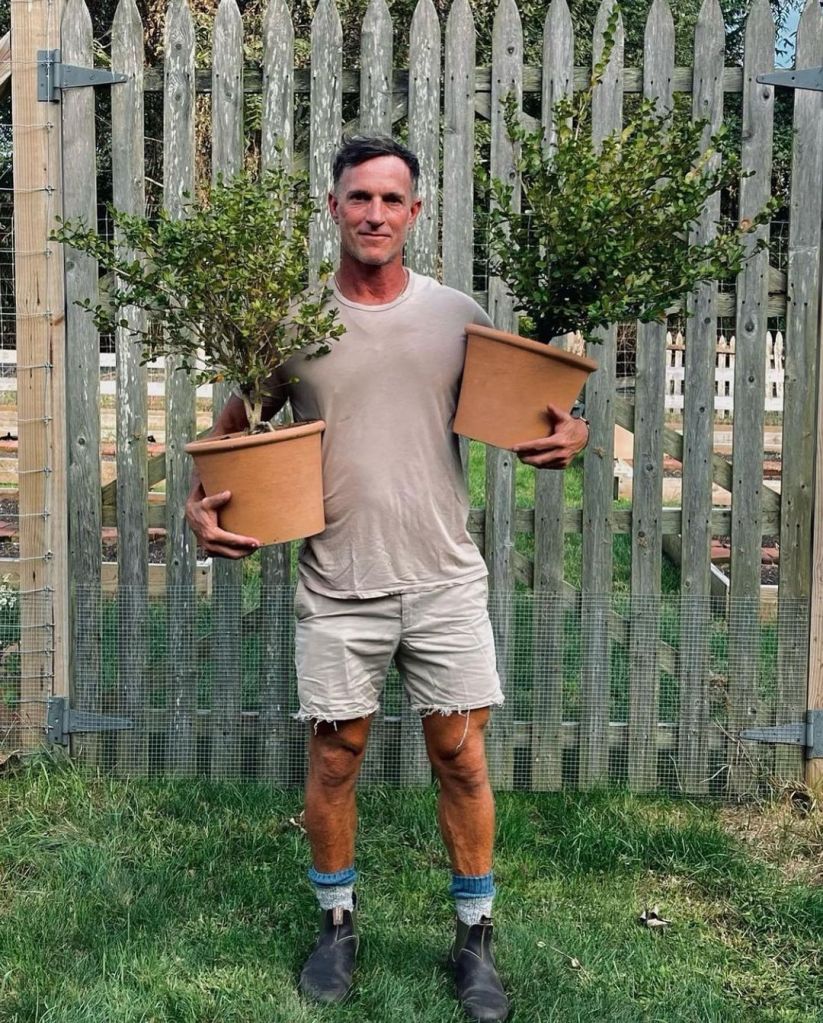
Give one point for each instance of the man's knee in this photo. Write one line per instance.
(457, 750)
(335, 756)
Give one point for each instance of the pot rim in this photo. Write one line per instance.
(234, 441)
(538, 347)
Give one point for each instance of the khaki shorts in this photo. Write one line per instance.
(440, 639)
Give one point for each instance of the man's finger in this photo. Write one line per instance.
(555, 460)
(235, 553)
(217, 500)
(220, 536)
(558, 414)
(539, 444)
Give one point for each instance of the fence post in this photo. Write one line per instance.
(40, 323)
(82, 378)
(797, 511)
(814, 694)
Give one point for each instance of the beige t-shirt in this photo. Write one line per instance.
(395, 500)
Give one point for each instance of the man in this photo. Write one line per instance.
(395, 573)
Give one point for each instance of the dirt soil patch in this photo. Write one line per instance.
(10, 547)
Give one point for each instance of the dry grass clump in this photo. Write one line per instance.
(786, 830)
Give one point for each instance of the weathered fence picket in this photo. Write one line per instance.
(647, 488)
(799, 417)
(698, 440)
(227, 599)
(275, 621)
(82, 378)
(424, 132)
(458, 148)
(596, 582)
(507, 79)
(277, 130)
(129, 195)
(178, 179)
(376, 69)
(326, 118)
(549, 487)
(749, 386)
(458, 159)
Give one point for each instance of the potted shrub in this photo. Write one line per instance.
(603, 237)
(226, 290)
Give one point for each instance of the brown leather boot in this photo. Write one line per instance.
(327, 973)
(478, 985)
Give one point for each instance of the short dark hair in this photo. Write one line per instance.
(356, 149)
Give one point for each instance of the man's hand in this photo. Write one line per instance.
(201, 514)
(568, 436)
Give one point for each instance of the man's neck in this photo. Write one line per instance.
(371, 285)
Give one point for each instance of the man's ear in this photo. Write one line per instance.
(414, 212)
(332, 201)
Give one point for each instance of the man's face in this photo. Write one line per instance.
(374, 207)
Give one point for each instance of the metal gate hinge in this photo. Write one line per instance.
(53, 76)
(805, 78)
(808, 733)
(62, 721)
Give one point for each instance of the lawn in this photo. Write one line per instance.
(186, 902)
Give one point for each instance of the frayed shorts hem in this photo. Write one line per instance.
(318, 717)
(462, 708)
(424, 710)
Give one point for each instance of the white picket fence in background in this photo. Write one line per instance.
(675, 375)
(724, 374)
(108, 384)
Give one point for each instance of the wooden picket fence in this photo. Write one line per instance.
(439, 99)
(675, 375)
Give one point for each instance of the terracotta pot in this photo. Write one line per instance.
(507, 383)
(274, 478)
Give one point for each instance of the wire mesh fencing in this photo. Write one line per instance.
(26, 651)
(651, 693)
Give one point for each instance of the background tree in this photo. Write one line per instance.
(583, 12)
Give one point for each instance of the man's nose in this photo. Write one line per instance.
(375, 214)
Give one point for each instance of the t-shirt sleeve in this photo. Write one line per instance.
(477, 314)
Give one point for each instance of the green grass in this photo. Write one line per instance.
(186, 902)
(573, 487)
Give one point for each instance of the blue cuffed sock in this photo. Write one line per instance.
(335, 889)
(473, 896)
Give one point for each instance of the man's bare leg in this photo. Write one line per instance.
(465, 805)
(456, 746)
(335, 755)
